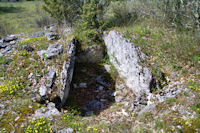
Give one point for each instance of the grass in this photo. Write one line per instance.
(166, 47)
(20, 17)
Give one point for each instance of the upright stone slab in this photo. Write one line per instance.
(125, 56)
(67, 73)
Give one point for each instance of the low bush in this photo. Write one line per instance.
(43, 21)
(121, 13)
(5, 28)
(88, 27)
(182, 14)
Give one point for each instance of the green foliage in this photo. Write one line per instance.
(63, 10)
(3, 60)
(158, 125)
(6, 28)
(32, 40)
(69, 119)
(194, 85)
(120, 13)
(20, 17)
(88, 27)
(183, 14)
(170, 100)
(45, 56)
(174, 49)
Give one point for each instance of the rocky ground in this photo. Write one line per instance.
(47, 85)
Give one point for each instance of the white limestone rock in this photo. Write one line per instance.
(125, 56)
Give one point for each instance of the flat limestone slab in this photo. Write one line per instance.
(125, 56)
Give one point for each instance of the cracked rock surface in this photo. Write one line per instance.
(125, 56)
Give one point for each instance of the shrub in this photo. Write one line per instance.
(87, 28)
(178, 13)
(5, 28)
(120, 13)
(43, 21)
(63, 11)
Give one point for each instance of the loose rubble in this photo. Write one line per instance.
(47, 112)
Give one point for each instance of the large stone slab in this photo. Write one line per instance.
(52, 51)
(10, 38)
(125, 56)
(67, 73)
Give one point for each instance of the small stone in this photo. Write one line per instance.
(114, 94)
(30, 75)
(38, 34)
(43, 91)
(100, 88)
(52, 28)
(107, 67)
(149, 108)
(12, 43)
(17, 118)
(179, 127)
(83, 85)
(144, 38)
(66, 130)
(168, 93)
(118, 98)
(36, 98)
(47, 112)
(124, 112)
(120, 87)
(52, 51)
(2, 45)
(51, 36)
(75, 85)
(6, 50)
(2, 106)
(103, 100)
(10, 38)
(50, 77)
